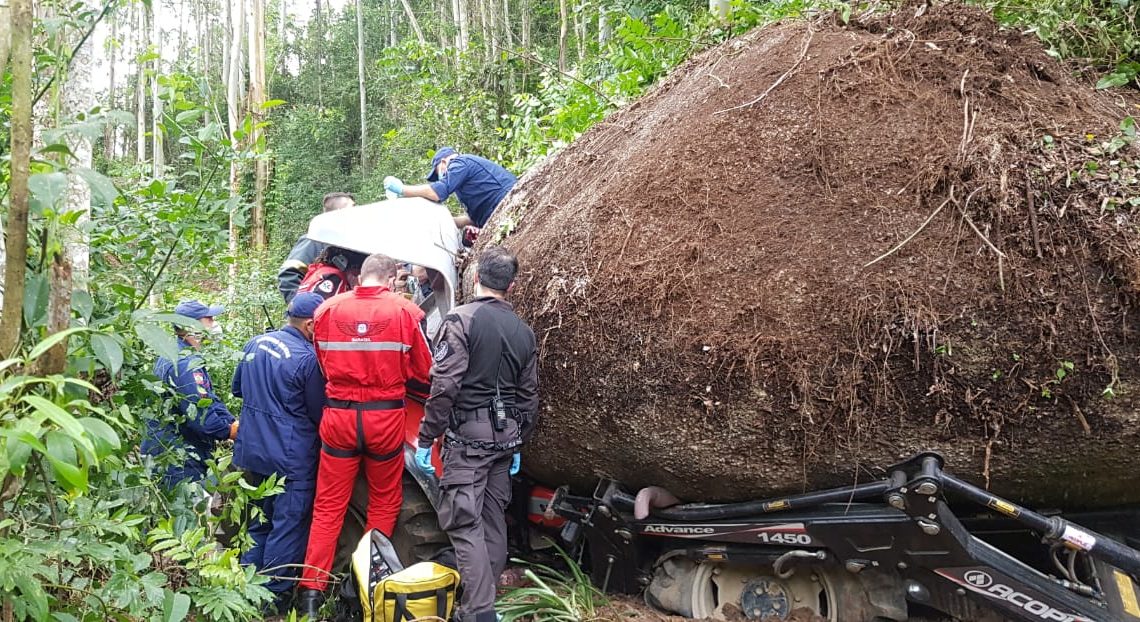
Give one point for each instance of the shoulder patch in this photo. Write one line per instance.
(200, 381)
(326, 286)
(441, 351)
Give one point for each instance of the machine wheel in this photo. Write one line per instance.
(418, 536)
(720, 591)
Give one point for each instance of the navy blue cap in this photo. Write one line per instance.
(196, 310)
(304, 305)
(440, 154)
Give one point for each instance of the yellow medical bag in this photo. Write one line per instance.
(391, 593)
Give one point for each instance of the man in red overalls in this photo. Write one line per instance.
(335, 271)
(371, 347)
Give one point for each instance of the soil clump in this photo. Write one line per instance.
(817, 249)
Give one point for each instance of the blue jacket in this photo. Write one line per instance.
(283, 394)
(198, 420)
(479, 183)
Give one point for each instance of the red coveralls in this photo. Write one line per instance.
(371, 346)
(326, 280)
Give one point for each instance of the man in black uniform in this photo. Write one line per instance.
(295, 266)
(484, 395)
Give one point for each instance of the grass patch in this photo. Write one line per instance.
(554, 596)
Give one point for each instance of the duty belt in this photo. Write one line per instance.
(459, 417)
(452, 439)
(361, 449)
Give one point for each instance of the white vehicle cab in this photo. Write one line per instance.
(409, 230)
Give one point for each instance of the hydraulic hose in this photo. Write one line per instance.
(704, 512)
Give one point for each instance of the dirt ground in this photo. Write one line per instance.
(817, 249)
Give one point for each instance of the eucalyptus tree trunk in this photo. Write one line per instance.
(485, 31)
(157, 156)
(16, 233)
(360, 85)
(459, 12)
(5, 37)
(282, 10)
(392, 39)
(110, 130)
(257, 111)
(319, 37)
(581, 36)
(413, 22)
(562, 27)
(604, 27)
(142, 41)
(233, 117)
(77, 98)
(5, 50)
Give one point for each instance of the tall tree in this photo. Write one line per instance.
(110, 130)
(360, 85)
(413, 22)
(459, 13)
(562, 26)
(142, 47)
(16, 233)
(233, 117)
(77, 99)
(5, 36)
(280, 64)
(392, 39)
(257, 111)
(580, 35)
(318, 35)
(158, 154)
(5, 49)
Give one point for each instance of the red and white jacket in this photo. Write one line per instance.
(371, 345)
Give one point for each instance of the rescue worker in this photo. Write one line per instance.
(283, 394)
(295, 266)
(371, 347)
(335, 271)
(199, 418)
(479, 183)
(484, 401)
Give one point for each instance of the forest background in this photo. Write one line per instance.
(159, 150)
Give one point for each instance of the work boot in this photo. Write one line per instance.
(309, 603)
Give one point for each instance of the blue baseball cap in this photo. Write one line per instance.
(304, 305)
(440, 154)
(196, 310)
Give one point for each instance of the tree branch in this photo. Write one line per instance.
(74, 51)
(537, 61)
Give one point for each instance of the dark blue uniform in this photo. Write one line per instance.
(479, 183)
(283, 395)
(199, 419)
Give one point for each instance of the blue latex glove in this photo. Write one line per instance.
(423, 460)
(394, 185)
(516, 464)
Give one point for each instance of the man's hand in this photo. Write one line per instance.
(423, 461)
(394, 185)
(233, 430)
(516, 464)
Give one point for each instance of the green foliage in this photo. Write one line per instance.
(556, 596)
(1103, 35)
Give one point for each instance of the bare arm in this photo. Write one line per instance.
(421, 190)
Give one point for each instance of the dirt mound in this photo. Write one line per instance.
(816, 249)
